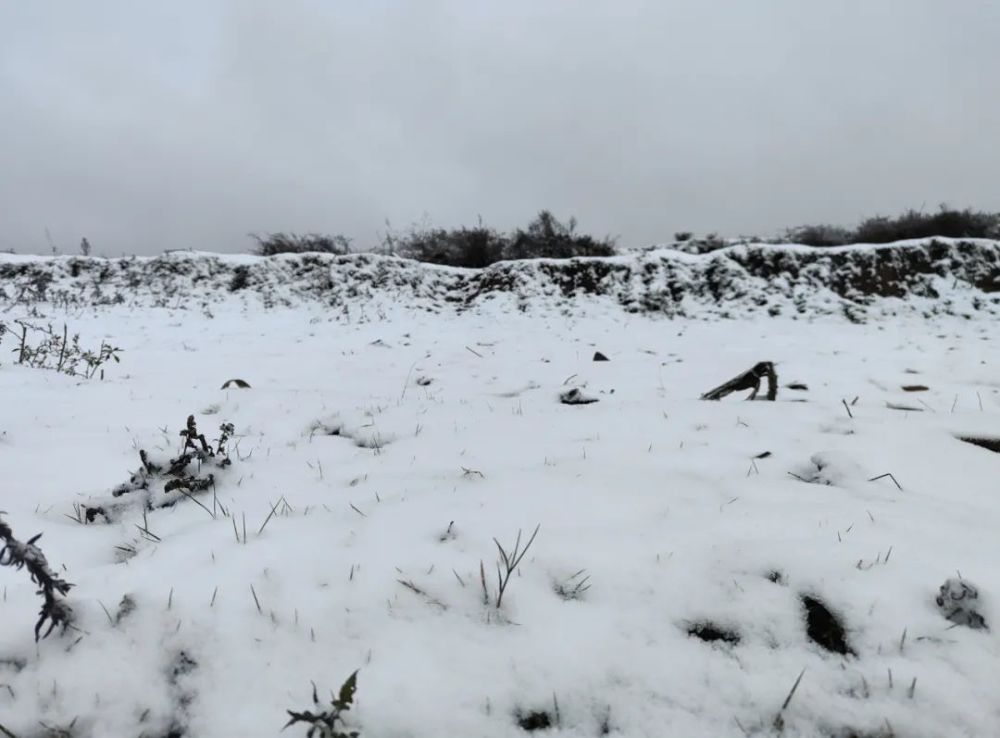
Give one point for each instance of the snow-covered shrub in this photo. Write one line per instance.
(174, 474)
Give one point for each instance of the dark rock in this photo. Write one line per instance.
(575, 397)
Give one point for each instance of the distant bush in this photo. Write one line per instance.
(465, 247)
(819, 235)
(544, 238)
(914, 224)
(945, 223)
(704, 245)
(682, 236)
(294, 243)
(548, 238)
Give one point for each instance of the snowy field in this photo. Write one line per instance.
(373, 465)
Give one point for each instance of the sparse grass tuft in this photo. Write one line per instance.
(506, 566)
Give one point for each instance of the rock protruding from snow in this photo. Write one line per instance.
(575, 396)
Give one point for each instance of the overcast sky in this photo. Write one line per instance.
(145, 126)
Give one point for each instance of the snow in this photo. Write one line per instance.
(657, 495)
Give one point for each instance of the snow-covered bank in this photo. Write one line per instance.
(935, 277)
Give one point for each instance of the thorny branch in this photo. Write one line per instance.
(28, 556)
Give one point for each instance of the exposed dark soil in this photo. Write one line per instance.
(535, 720)
(712, 633)
(824, 628)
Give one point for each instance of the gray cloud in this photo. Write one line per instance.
(150, 126)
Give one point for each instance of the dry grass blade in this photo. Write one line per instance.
(887, 474)
(788, 699)
(195, 500)
(270, 515)
(418, 591)
(482, 580)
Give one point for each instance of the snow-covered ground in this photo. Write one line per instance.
(395, 450)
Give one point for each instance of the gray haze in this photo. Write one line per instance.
(146, 126)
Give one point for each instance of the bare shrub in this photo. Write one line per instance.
(548, 238)
(463, 247)
(294, 243)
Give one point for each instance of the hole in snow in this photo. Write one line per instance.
(824, 628)
(990, 444)
(324, 428)
(712, 633)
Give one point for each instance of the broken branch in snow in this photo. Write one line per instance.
(748, 380)
(52, 589)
